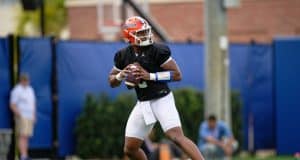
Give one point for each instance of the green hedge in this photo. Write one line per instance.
(101, 126)
(190, 105)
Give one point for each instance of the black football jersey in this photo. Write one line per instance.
(150, 58)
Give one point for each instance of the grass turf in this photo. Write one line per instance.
(267, 158)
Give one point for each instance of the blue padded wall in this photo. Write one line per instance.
(287, 78)
(36, 60)
(5, 83)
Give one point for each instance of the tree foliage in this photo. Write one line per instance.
(55, 18)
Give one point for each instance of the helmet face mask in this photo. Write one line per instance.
(143, 37)
(137, 32)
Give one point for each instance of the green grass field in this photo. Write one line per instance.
(269, 158)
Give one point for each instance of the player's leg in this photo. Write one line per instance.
(132, 148)
(176, 135)
(165, 110)
(136, 130)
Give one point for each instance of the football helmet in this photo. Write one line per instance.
(137, 31)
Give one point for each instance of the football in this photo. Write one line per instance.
(131, 80)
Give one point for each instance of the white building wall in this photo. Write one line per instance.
(9, 10)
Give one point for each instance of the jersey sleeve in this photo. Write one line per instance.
(226, 130)
(163, 55)
(118, 62)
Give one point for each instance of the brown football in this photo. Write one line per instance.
(131, 80)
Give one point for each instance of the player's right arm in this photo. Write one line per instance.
(113, 81)
(120, 70)
(117, 76)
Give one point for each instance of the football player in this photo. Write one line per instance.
(148, 67)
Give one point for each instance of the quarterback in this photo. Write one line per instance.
(148, 67)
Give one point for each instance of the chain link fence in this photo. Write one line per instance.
(5, 140)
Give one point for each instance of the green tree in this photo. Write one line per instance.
(55, 18)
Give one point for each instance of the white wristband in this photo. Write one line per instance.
(164, 76)
(152, 76)
(118, 77)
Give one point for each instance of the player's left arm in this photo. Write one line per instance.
(172, 67)
(171, 72)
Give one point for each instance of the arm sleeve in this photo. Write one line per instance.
(203, 131)
(13, 96)
(163, 55)
(118, 64)
(227, 131)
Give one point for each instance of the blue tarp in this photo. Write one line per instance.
(36, 60)
(258, 96)
(83, 67)
(238, 54)
(190, 59)
(5, 83)
(287, 78)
